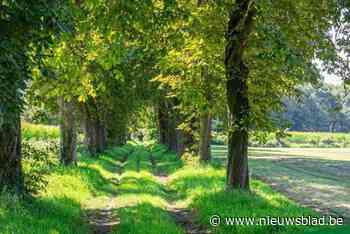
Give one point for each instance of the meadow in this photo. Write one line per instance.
(39, 131)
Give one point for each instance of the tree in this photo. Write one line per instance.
(267, 64)
(240, 26)
(192, 71)
(68, 129)
(26, 28)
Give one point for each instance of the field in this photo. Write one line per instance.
(39, 131)
(316, 140)
(295, 140)
(316, 178)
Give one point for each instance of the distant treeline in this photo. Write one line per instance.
(323, 109)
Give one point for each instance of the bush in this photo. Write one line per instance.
(38, 159)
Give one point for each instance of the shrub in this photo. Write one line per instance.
(38, 159)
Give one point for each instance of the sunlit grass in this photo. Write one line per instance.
(58, 209)
(203, 189)
(142, 199)
(294, 139)
(39, 131)
(129, 176)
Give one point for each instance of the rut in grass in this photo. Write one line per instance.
(181, 215)
(114, 217)
(103, 220)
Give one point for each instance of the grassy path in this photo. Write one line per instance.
(102, 220)
(183, 216)
(159, 194)
(145, 203)
(142, 198)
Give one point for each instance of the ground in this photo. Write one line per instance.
(145, 189)
(316, 178)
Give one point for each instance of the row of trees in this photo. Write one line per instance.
(107, 64)
(324, 108)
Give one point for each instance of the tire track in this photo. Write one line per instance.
(183, 217)
(102, 221)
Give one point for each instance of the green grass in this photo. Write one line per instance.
(318, 139)
(317, 175)
(59, 209)
(202, 188)
(296, 140)
(39, 132)
(142, 199)
(129, 176)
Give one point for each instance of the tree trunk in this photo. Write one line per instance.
(95, 134)
(163, 123)
(240, 25)
(205, 137)
(121, 137)
(192, 143)
(167, 123)
(181, 146)
(10, 154)
(173, 136)
(332, 126)
(68, 143)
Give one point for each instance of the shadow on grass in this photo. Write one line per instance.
(316, 182)
(243, 204)
(47, 215)
(138, 185)
(145, 218)
(208, 197)
(185, 185)
(167, 168)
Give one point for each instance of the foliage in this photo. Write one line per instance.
(338, 63)
(26, 29)
(319, 109)
(39, 158)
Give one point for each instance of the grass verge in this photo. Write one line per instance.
(58, 209)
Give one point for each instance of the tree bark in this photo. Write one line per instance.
(163, 123)
(68, 141)
(239, 27)
(95, 134)
(205, 137)
(168, 132)
(10, 153)
(181, 143)
(121, 137)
